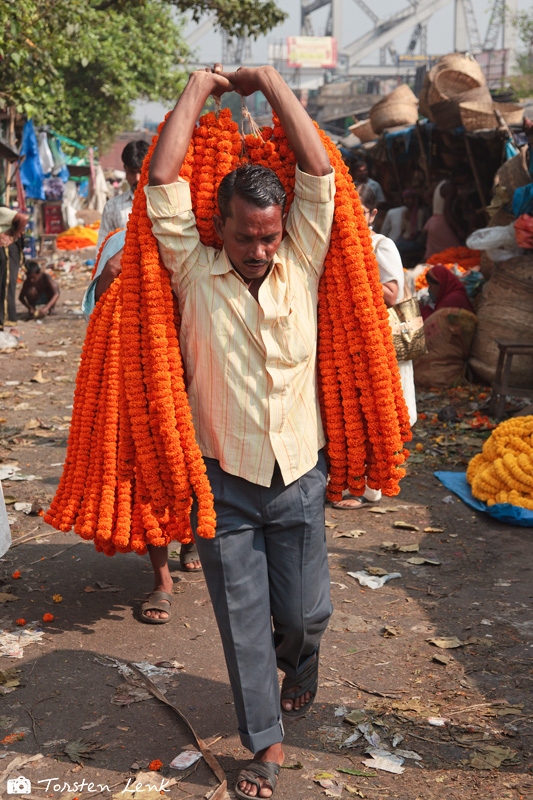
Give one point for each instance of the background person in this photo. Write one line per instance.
(12, 224)
(361, 177)
(446, 291)
(156, 609)
(117, 210)
(391, 276)
(38, 289)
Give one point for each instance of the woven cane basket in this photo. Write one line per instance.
(512, 113)
(363, 130)
(477, 116)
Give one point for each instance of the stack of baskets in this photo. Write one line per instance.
(363, 130)
(455, 93)
(398, 109)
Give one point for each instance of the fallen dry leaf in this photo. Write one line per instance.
(391, 630)
(347, 534)
(433, 530)
(419, 560)
(446, 642)
(405, 526)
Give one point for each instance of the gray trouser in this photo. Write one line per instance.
(267, 574)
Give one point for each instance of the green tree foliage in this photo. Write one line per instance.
(79, 65)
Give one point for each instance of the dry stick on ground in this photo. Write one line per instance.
(362, 688)
(45, 558)
(204, 749)
(30, 538)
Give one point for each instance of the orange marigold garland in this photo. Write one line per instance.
(133, 463)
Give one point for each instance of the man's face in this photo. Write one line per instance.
(132, 176)
(33, 277)
(361, 172)
(251, 236)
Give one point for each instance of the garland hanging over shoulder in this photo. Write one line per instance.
(132, 463)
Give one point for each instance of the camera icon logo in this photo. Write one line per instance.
(19, 786)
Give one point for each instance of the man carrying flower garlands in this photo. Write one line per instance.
(248, 338)
(245, 393)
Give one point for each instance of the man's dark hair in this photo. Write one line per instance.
(367, 196)
(256, 184)
(134, 153)
(32, 267)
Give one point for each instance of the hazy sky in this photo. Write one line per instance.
(354, 24)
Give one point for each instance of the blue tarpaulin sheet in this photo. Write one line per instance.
(504, 512)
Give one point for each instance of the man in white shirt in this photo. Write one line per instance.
(117, 210)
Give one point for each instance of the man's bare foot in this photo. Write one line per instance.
(298, 702)
(273, 753)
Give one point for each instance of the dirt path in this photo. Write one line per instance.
(377, 658)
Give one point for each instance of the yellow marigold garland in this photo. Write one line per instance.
(503, 471)
(132, 462)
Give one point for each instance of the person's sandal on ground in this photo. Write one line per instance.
(156, 601)
(255, 770)
(306, 681)
(351, 503)
(188, 555)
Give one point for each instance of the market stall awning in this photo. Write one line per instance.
(8, 152)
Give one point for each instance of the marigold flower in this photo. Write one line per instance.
(155, 765)
(57, 598)
(20, 621)
(48, 617)
(16, 574)
(132, 464)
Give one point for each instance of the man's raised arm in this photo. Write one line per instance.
(298, 126)
(174, 140)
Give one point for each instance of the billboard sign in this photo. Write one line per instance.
(312, 51)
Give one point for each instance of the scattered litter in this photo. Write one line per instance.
(185, 759)
(397, 739)
(79, 749)
(446, 643)
(393, 547)
(296, 765)
(373, 582)
(442, 658)
(8, 341)
(25, 507)
(433, 530)
(10, 472)
(391, 630)
(39, 377)
(12, 644)
(448, 499)
(354, 737)
(420, 560)
(405, 526)
(50, 353)
(342, 622)
(437, 722)
(330, 524)
(408, 754)
(357, 772)
(341, 711)
(347, 534)
(328, 782)
(388, 763)
(491, 756)
(94, 724)
(356, 716)
(372, 736)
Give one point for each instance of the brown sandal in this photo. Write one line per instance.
(157, 601)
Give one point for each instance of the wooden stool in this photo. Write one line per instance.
(47, 243)
(500, 384)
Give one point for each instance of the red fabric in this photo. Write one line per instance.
(452, 293)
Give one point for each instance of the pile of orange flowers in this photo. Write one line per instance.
(459, 259)
(132, 463)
